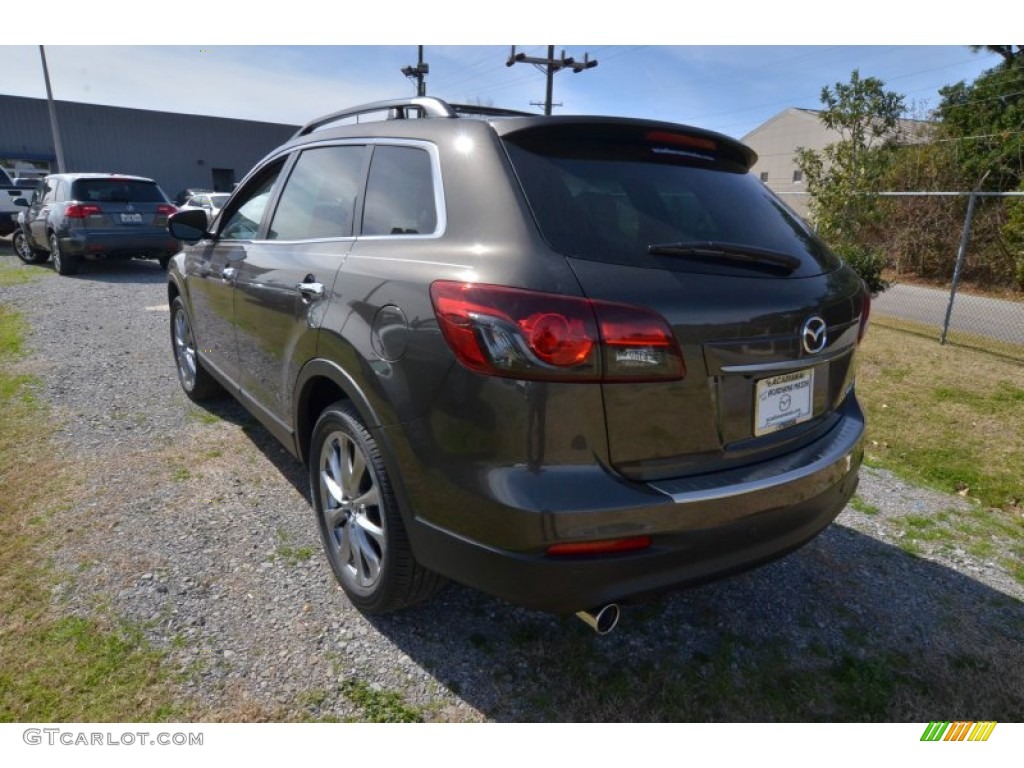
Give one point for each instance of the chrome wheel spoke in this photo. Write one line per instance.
(343, 536)
(367, 561)
(356, 472)
(331, 476)
(370, 529)
(369, 499)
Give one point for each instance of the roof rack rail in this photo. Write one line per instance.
(398, 109)
(477, 109)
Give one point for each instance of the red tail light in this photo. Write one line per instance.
(166, 209)
(865, 313)
(523, 334)
(82, 210)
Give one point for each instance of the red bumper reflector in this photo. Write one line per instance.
(601, 547)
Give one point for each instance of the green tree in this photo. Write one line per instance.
(843, 178)
(984, 120)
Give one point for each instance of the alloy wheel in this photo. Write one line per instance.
(184, 350)
(353, 516)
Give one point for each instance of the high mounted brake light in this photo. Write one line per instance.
(681, 140)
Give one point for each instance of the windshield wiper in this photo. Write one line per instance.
(713, 250)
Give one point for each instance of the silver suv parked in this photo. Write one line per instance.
(565, 360)
(76, 216)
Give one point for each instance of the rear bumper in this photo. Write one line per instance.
(701, 528)
(151, 243)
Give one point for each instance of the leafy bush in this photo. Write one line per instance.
(866, 263)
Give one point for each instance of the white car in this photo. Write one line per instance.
(211, 202)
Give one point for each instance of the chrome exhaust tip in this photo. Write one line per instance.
(602, 620)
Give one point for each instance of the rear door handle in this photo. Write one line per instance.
(311, 289)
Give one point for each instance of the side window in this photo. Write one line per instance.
(49, 189)
(319, 197)
(243, 221)
(400, 193)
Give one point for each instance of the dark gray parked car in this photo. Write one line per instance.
(75, 216)
(565, 360)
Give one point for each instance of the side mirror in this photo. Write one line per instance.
(189, 225)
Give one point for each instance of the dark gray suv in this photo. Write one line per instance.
(76, 216)
(564, 360)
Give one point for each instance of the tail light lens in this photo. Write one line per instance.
(523, 334)
(165, 209)
(82, 211)
(865, 313)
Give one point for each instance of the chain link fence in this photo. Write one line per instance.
(955, 278)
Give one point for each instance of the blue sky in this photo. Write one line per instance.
(725, 87)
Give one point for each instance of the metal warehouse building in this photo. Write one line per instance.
(177, 150)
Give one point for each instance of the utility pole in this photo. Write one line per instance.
(57, 148)
(419, 71)
(551, 65)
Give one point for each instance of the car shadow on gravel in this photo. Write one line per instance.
(120, 271)
(847, 629)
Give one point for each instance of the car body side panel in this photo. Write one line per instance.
(276, 326)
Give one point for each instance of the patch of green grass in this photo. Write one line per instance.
(52, 667)
(203, 417)
(380, 705)
(863, 507)
(180, 475)
(965, 435)
(14, 272)
(289, 554)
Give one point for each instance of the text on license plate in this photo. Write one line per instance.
(784, 400)
(131, 218)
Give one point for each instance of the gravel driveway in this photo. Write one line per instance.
(193, 524)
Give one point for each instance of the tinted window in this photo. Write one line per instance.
(400, 193)
(243, 222)
(48, 189)
(320, 196)
(116, 191)
(609, 198)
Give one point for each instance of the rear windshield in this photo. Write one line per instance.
(116, 191)
(609, 196)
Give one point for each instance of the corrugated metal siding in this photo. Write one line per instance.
(165, 146)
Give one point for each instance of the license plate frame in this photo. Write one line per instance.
(783, 401)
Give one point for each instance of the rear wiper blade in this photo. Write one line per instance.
(713, 250)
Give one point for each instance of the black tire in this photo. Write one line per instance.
(64, 263)
(26, 252)
(360, 524)
(197, 382)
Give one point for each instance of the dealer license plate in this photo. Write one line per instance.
(784, 400)
(131, 218)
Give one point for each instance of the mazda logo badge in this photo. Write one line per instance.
(814, 335)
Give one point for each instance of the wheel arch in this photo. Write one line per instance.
(320, 383)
